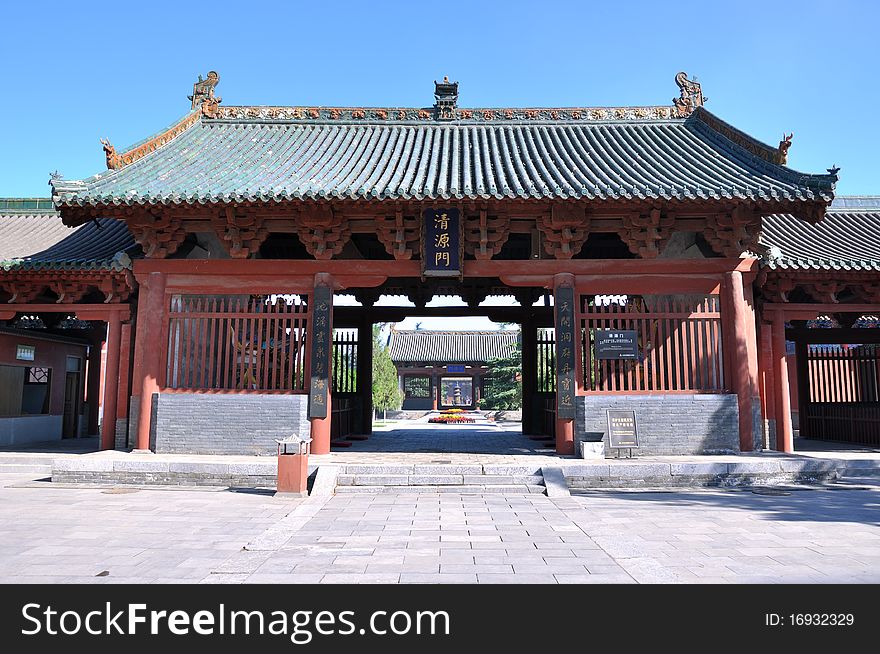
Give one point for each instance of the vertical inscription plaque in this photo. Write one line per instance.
(322, 341)
(565, 356)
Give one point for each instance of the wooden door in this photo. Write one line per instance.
(72, 402)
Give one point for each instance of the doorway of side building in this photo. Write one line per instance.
(835, 388)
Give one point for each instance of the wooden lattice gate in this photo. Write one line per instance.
(842, 401)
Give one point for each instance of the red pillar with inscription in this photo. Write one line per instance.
(566, 358)
(320, 344)
(149, 348)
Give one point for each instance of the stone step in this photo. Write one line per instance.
(466, 489)
(16, 468)
(28, 459)
(438, 480)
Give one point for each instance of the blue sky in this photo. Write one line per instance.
(75, 72)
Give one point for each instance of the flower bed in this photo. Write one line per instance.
(450, 418)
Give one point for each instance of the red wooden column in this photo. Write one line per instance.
(365, 373)
(767, 380)
(529, 336)
(149, 349)
(784, 440)
(111, 382)
(738, 355)
(564, 426)
(123, 391)
(93, 383)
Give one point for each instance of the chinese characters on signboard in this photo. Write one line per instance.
(617, 344)
(441, 246)
(565, 359)
(322, 342)
(622, 432)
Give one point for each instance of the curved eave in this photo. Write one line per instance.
(227, 162)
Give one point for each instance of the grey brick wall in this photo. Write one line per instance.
(667, 424)
(226, 424)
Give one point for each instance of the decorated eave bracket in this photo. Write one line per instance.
(646, 234)
(241, 234)
(778, 285)
(565, 230)
(399, 234)
(69, 287)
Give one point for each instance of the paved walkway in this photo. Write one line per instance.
(60, 535)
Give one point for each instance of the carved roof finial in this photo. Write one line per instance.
(784, 145)
(110, 154)
(203, 94)
(691, 95)
(446, 96)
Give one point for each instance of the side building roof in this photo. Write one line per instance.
(427, 346)
(33, 237)
(848, 238)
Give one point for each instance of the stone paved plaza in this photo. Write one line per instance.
(58, 535)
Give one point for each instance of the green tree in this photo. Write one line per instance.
(386, 392)
(504, 382)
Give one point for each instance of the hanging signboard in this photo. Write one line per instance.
(617, 344)
(25, 352)
(441, 243)
(322, 342)
(455, 368)
(565, 359)
(622, 430)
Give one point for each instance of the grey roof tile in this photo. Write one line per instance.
(848, 238)
(428, 346)
(35, 238)
(261, 159)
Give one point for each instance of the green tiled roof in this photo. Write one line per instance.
(271, 154)
(847, 239)
(33, 237)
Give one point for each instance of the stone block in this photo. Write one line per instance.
(384, 469)
(381, 480)
(199, 467)
(587, 470)
(436, 480)
(269, 468)
(592, 449)
(754, 467)
(83, 463)
(690, 469)
(447, 469)
(140, 465)
(641, 470)
(502, 469)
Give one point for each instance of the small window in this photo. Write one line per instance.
(74, 364)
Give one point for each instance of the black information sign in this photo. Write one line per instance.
(565, 361)
(622, 431)
(617, 344)
(441, 243)
(322, 342)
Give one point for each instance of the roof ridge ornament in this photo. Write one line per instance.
(691, 95)
(446, 98)
(784, 145)
(203, 95)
